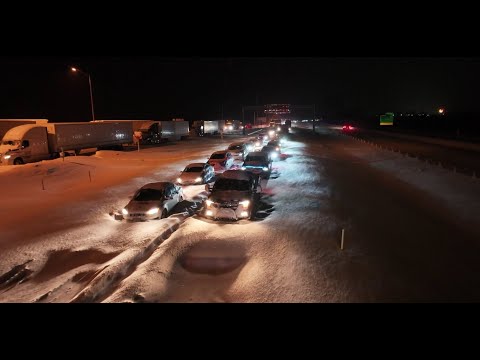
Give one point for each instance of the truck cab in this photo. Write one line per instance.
(24, 144)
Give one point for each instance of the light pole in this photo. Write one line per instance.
(75, 70)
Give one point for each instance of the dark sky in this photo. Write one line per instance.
(152, 87)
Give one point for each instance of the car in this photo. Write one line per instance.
(276, 144)
(238, 150)
(258, 163)
(221, 160)
(196, 173)
(348, 128)
(248, 126)
(232, 196)
(272, 151)
(260, 141)
(153, 201)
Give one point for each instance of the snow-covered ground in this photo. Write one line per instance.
(60, 244)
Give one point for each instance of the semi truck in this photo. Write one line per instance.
(155, 132)
(35, 142)
(181, 129)
(208, 127)
(7, 124)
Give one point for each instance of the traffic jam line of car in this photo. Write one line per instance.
(232, 179)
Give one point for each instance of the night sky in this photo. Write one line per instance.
(194, 88)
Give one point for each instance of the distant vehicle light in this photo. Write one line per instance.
(198, 179)
(278, 129)
(277, 148)
(179, 180)
(271, 132)
(244, 214)
(153, 211)
(124, 212)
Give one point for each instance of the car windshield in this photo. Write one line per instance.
(217, 156)
(193, 169)
(148, 195)
(11, 142)
(235, 147)
(231, 184)
(268, 149)
(255, 158)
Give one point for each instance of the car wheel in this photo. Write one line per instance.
(18, 161)
(164, 214)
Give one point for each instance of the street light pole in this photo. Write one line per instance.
(91, 96)
(90, 87)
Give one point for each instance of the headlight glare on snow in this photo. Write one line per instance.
(265, 169)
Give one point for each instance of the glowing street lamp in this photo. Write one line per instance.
(75, 70)
(441, 111)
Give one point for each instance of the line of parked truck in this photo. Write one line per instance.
(30, 140)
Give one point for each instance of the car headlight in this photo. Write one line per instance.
(245, 203)
(198, 179)
(209, 213)
(277, 148)
(6, 157)
(209, 203)
(124, 211)
(249, 147)
(257, 143)
(244, 214)
(179, 180)
(153, 211)
(244, 168)
(278, 129)
(271, 132)
(265, 169)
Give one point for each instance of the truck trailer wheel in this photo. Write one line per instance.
(18, 161)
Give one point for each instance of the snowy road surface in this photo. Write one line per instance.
(410, 230)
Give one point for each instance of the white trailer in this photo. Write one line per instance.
(205, 127)
(7, 124)
(150, 130)
(30, 143)
(182, 129)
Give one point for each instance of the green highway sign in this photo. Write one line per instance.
(386, 119)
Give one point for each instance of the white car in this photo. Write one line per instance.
(238, 150)
(221, 160)
(196, 174)
(153, 201)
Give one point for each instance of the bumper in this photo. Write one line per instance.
(228, 214)
(140, 217)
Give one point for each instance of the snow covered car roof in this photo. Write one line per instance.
(220, 152)
(237, 175)
(156, 185)
(195, 165)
